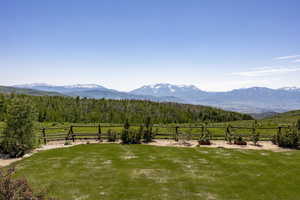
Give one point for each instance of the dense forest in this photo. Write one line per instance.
(68, 109)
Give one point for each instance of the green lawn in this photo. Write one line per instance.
(141, 172)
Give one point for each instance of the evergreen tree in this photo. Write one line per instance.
(18, 135)
(2, 107)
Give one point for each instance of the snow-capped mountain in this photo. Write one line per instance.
(89, 86)
(165, 89)
(292, 89)
(249, 100)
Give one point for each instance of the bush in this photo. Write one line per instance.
(255, 135)
(67, 143)
(148, 135)
(288, 138)
(130, 136)
(205, 136)
(17, 189)
(18, 135)
(111, 136)
(239, 140)
(228, 134)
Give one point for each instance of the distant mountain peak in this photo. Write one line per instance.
(170, 86)
(30, 85)
(167, 89)
(290, 88)
(91, 86)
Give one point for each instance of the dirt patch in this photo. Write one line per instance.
(263, 145)
(51, 145)
(156, 175)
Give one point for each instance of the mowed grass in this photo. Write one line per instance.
(135, 172)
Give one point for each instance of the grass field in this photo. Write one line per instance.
(113, 172)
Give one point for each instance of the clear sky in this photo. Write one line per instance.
(123, 44)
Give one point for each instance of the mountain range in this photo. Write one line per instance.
(94, 91)
(246, 100)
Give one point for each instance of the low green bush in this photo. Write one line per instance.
(147, 132)
(239, 140)
(129, 136)
(205, 136)
(67, 143)
(17, 189)
(229, 134)
(288, 138)
(255, 136)
(111, 136)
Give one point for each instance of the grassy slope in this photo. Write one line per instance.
(8, 90)
(287, 117)
(111, 171)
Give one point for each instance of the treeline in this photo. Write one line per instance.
(68, 109)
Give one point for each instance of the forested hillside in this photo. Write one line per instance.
(68, 109)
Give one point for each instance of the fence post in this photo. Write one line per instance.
(72, 133)
(202, 132)
(176, 133)
(99, 133)
(44, 136)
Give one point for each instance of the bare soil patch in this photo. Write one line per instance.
(262, 145)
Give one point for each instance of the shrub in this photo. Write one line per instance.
(134, 137)
(125, 133)
(239, 140)
(17, 189)
(18, 135)
(255, 135)
(67, 143)
(298, 124)
(288, 138)
(111, 136)
(130, 136)
(205, 136)
(228, 134)
(147, 133)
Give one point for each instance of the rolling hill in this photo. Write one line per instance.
(33, 92)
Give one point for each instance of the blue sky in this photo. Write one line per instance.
(215, 45)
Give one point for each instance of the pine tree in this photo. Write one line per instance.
(2, 107)
(18, 135)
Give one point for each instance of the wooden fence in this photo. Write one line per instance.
(97, 132)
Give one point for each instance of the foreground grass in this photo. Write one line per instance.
(113, 172)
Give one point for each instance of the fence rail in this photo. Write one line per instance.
(97, 132)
